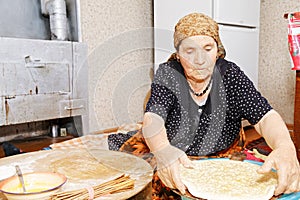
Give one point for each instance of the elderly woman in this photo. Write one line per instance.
(198, 100)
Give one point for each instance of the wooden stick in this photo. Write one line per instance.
(119, 184)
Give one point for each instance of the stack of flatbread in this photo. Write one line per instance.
(216, 179)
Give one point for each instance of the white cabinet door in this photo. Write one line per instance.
(242, 46)
(166, 15)
(168, 12)
(237, 12)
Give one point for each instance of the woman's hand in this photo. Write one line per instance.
(168, 160)
(284, 160)
(167, 156)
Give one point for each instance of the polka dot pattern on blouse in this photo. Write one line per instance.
(232, 98)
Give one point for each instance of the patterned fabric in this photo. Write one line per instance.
(198, 24)
(213, 127)
(115, 141)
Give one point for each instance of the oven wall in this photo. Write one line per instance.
(43, 80)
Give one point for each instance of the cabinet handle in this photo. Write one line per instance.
(74, 108)
(30, 63)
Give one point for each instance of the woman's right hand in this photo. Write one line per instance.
(167, 156)
(168, 160)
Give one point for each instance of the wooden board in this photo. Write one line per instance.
(85, 167)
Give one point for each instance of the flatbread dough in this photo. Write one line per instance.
(82, 167)
(216, 179)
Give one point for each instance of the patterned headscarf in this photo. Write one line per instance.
(197, 24)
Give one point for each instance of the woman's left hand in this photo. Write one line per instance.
(284, 160)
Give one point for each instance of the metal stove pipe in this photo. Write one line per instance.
(58, 19)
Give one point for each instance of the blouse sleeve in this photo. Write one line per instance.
(252, 105)
(162, 98)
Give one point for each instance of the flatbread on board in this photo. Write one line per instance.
(82, 167)
(216, 179)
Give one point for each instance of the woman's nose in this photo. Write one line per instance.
(200, 57)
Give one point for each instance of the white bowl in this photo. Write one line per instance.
(6, 172)
(39, 185)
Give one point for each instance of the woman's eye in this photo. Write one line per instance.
(208, 48)
(189, 51)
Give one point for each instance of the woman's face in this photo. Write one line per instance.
(198, 55)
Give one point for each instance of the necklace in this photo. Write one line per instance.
(203, 92)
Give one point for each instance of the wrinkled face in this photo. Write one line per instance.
(198, 55)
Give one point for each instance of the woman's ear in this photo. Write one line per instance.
(177, 57)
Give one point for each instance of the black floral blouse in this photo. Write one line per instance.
(213, 127)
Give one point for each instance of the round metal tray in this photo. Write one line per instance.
(115, 162)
